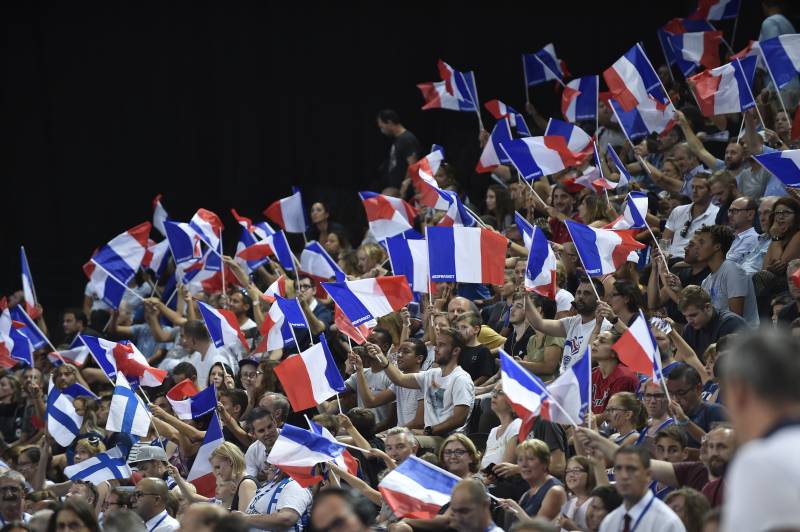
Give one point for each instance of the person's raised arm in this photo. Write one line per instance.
(236, 429)
(114, 329)
(151, 315)
(370, 399)
(548, 327)
(755, 144)
(354, 482)
(406, 380)
(358, 439)
(188, 494)
(457, 420)
(191, 433)
(694, 143)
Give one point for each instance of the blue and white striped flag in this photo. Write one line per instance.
(127, 413)
(109, 465)
(63, 422)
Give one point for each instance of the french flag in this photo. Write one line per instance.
(638, 350)
(578, 141)
(716, 10)
(499, 110)
(25, 324)
(634, 215)
(222, 326)
(417, 489)
(310, 377)
(542, 66)
(288, 213)
(427, 167)
(540, 273)
(356, 334)
(276, 329)
(157, 257)
(184, 244)
(753, 49)
(387, 216)
(124, 357)
(460, 85)
(534, 157)
(525, 229)
(260, 230)
(27, 286)
(13, 343)
(159, 216)
(696, 48)
(726, 89)
(188, 403)
(602, 251)
(278, 288)
(571, 392)
(409, 257)
(602, 183)
(429, 194)
(436, 97)
(466, 255)
(785, 165)
(632, 80)
(75, 354)
(254, 252)
(624, 175)
(208, 227)
(202, 474)
(119, 259)
(316, 262)
(297, 451)
(366, 300)
(648, 118)
(492, 155)
(524, 390)
(677, 26)
(782, 54)
(457, 214)
(579, 99)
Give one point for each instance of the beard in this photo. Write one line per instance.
(584, 308)
(717, 466)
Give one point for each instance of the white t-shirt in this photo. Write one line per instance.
(377, 382)
(204, 365)
(443, 394)
(577, 338)
(564, 300)
(678, 219)
(255, 458)
(496, 448)
(292, 496)
(407, 403)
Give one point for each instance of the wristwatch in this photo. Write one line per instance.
(614, 320)
(428, 431)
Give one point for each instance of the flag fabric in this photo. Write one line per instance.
(123, 356)
(288, 213)
(127, 413)
(782, 55)
(624, 175)
(119, 260)
(525, 229)
(650, 116)
(250, 252)
(430, 195)
(637, 349)
(276, 329)
(634, 215)
(696, 49)
(436, 97)
(499, 111)
(409, 257)
(356, 334)
(716, 9)
(753, 49)
(601, 182)
(63, 422)
(75, 354)
(188, 403)
(310, 377)
(677, 26)
(492, 156)
(365, 300)
(13, 342)
(222, 326)
(460, 85)
(184, 244)
(110, 465)
(540, 272)
(571, 391)
(28, 290)
(427, 167)
(578, 141)
(24, 323)
(387, 216)
(208, 226)
(316, 262)
(602, 251)
(457, 214)
(579, 99)
(466, 255)
(159, 216)
(785, 165)
(202, 474)
(726, 89)
(260, 230)
(157, 257)
(542, 66)
(537, 156)
(524, 390)
(417, 489)
(300, 448)
(278, 288)
(304, 474)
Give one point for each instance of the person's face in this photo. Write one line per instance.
(70, 324)
(616, 300)
(583, 210)
(706, 247)
(764, 212)
(491, 200)
(632, 477)
(697, 318)
(464, 515)
(456, 308)
(671, 171)
(248, 374)
(266, 431)
(6, 388)
(595, 513)
(125, 314)
(111, 503)
(216, 377)
(385, 127)
(509, 285)
(444, 349)
(11, 494)
(80, 491)
(82, 453)
(519, 272)
(332, 244)
(151, 468)
(306, 290)
(569, 257)
(701, 193)
(655, 400)
(237, 305)
(720, 447)
(188, 344)
(222, 468)
(576, 476)
(662, 340)
(618, 415)
(739, 216)
(720, 194)
(782, 124)
(684, 394)
(31, 376)
(669, 450)
(531, 469)
(407, 361)
(783, 218)
(563, 201)
(469, 332)
(63, 377)
(67, 520)
(690, 252)
(160, 401)
(364, 262)
(794, 291)
(684, 160)
(333, 514)
(398, 447)
(143, 500)
(601, 346)
(734, 155)
(441, 322)
(585, 301)
(678, 505)
(517, 314)
(456, 458)
(228, 405)
(318, 213)
(604, 113)
(499, 401)
(26, 466)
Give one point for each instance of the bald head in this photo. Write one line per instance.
(460, 305)
(469, 507)
(150, 498)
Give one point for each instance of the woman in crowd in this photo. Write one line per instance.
(74, 515)
(546, 495)
(337, 243)
(580, 481)
(627, 416)
(543, 351)
(604, 500)
(12, 405)
(221, 376)
(499, 205)
(592, 210)
(321, 223)
(690, 505)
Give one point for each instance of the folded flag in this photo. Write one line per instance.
(63, 422)
(466, 255)
(23, 322)
(538, 156)
(123, 356)
(365, 300)
(159, 215)
(310, 377)
(579, 99)
(276, 329)
(499, 111)
(13, 342)
(785, 165)
(188, 403)
(184, 244)
(387, 216)
(222, 326)
(492, 156)
(127, 413)
(602, 251)
(288, 213)
(540, 272)
(435, 95)
(634, 215)
(417, 489)
(619, 167)
(300, 449)
(716, 9)
(782, 55)
(542, 66)
(260, 230)
(571, 392)
(356, 334)
(110, 465)
(409, 257)
(726, 89)
(637, 349)
(29, 292)
(202, 474)
(208, 226)
(695, 49)
(316, 262)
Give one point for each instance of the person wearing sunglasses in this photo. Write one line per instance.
(684, 220)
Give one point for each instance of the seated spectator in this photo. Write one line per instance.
(791, 311)
(689, 410)
(610, 376)
(603, 501)
(657, 407)
(321, 225)
(683, 221)
(741, 215)
(580, 480)
(704, 324)
(543, 352)
(670, 446)
(475, 358)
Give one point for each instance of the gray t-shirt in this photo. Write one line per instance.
(377, 382)
(729, 281)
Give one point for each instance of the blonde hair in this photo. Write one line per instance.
(93, 450)
(232, 454)
(473, 452)
(536, 449)
(374, 252)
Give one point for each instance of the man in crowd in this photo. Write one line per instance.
(150, 502)
(698, 417)
(684, 220)
(741, 215)
(405, 149)
(705, 324)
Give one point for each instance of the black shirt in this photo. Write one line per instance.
(722, 323)
(687, 277)
(477, 361)
(518, 348)
(395, 167)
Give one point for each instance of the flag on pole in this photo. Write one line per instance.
(159, 216)
(492, 156)
(288, 213)
(525, 229)
(540, 272)
(409, 257)
(25, 324)
(602, 251)
(578, 141)
(110, 465)
(461, 85)
(316, 262)
(696, 49)
(127, 413)
(184, 244)
(297, 449)
(634, 215)
(537, 156)
(63, 422)
(637, 349)
(435, 95)
(785, 165)
(726, 89)
(387, 216)
(466, 255)
(28, 290)
(571, 391)
(782, 55)
(543, 66)
(524, 390)
(15, 346)
(202, 474)
(276, 329)
(188, 403)
(499, 111)
(417, 489)
(358, 334)
(677, 26)
(207, 225)
(716, 10)
(310, 377)
(579, 99)
(366, 300)
(223, 326)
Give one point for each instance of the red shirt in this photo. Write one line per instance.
(559, 231)
(622, 379)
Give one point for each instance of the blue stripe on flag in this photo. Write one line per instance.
(442, 254)
(427, 476)
(401, 259)
(778, 61)
(311, 441)
(131, 405)
(585, 241)
(332, 374)
(352, 307)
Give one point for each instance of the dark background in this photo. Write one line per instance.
(227, 104)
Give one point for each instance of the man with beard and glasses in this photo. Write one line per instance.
(12, 497)
(576, 329)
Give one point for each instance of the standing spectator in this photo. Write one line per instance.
(405, 150)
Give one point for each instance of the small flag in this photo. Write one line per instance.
(466, 255)
(366, 300)
(127, 413)
(417, 489)
(310, 377)
(288, 213)
(202, 474)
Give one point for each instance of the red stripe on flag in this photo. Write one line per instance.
(141, 233)
(619, 90)
(430, 95)
(274, 213)
(493, 257)
(705, 88)
(182, 390)
(567, 96)
(711, 40)
(396, 290)
(630, 352)
(206, 485)
(256, 252)
(296, 381)
(406, 506)
(620, 254)
(230, 317)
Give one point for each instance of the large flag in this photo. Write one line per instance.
(602, 251)
(202, 474)
(127, 413)
(637, 349)
(785, 165)
(540, 272)
(188, 403)
(716, 10)
(466, 255)
(417, 489)
(208, 227)
(387, 216)
(538, 156)
(492, 156)
(28, 290)
(579, 99)
(542, 66)
(110, 465)
(366, 300)
(184, 244)
(726, 89)
(288, 213)
(696, 49)
(409, 257)
(499, 110)
(276, 329)
(63, 422)
(222, 326)
(782, 54)
(159, 216)
(310, 377)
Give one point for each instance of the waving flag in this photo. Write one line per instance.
(123, 356)
(537, 156)
(63, 422)
(222, 326)
(27, 286)
(202, 474)
(571, 391)
(366, 300)
(276, 329)
(208, 227)
(624, 175)
(785, 165)
(427, 167)
(579, 99)
(436, 97)
(492, 156)
(188, 403)
(254, 252)
(716, 9)
(649, 117)
(695, 49)
(632, 79)
(356, 334)
(184, 244)
(119, 259)
(410, 258)
(456, 91)
(499, 111)
(316, 262)
(637, 349)
(782, 54)
(310, 377)
(634, 215)
(466, 255)
(726, 89)
(602, 251)
(525, 229)
(110, 465)
(387, 216)
(127, 413)
(75, 354)
(524, 390)
(540, 273)
(25, 324)
(677, 26)
(542, 66)
(578, 141)
(278, 288)
(753, 49)
(159, 215)
(457, 214)
(417, 489)
(13, 342)
(295, 449)
(288, 213)
(300, 448)
(157, 257)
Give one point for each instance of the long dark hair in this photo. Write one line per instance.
(79, 507)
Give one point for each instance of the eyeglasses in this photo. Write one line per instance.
(681, 393)
(575, 471)
(454, 452)
(654, 396)
(72, 525)
(734, 211)
(137, 494)
(781, 214)
(249, 375)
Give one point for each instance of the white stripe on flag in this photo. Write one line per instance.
(467, 244)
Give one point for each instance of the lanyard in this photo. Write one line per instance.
(159, 521)
(639, 519)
